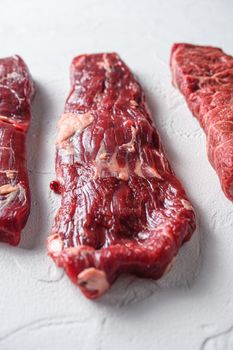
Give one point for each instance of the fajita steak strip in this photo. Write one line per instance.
(122, 208)
(16, 91)
(204, 75)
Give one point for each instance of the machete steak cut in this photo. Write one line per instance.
(204, 75)
(16, 91)
(122, 208)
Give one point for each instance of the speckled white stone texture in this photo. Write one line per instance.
(190, 308)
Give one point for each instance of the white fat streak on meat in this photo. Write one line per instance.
(21, 194)
(10, 173)
(153, 225)
(93, 280)
(55, 244)
(104, 161)
(111, 164)
(6, 189)
(218, 77)
(138, 168)
(129, 146)
(101, 163)
(15, 76)
(221, 111)
(144, 235)
(8, 199)
(211, 128)
(133, 103)
(102, 151)
(222, 144)
(66, 152)
(217, 125)
(55, 247)
(104, 64)
(152, 172)
(12, 120)
(186, 204)
(163, 160)
(13, 93)
(11, 194)
(151, 216)
(78, 251)
(166, 231)
(71, 123)
(9, 154)
(103, 156)
(4, 118)
(15, 121)
(141, 169)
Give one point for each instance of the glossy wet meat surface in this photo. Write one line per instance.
(16, 91)
(122, 207)
(204, 75)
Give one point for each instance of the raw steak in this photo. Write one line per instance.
(16, 90)
(204, 75)
(122, 209)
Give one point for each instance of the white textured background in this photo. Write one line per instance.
(192, 308)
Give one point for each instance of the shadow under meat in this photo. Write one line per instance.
(32, 234)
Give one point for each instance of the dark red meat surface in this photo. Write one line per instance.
(204, 75)
(16, 90)
(122, 208)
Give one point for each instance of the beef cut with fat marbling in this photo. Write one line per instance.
(204, 75)
(122, 208)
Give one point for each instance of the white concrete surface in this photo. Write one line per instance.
(192, 308)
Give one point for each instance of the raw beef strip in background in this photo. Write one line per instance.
(204, 75)
(122, 208)
(16, 91)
